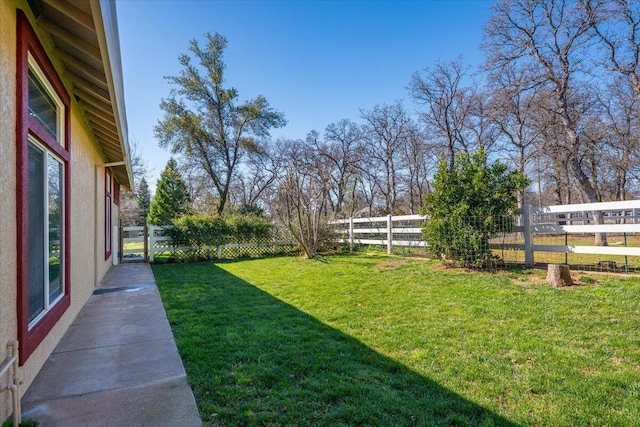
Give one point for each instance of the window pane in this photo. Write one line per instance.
(36, 248)
(56, 186)
(41, 106)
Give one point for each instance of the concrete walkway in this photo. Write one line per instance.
(117, 365)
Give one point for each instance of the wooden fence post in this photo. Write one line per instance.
(115, 237)
(528, 235)
(145, 234)
(351, 234)
(152, 232)
(121, 245)
(389, 234)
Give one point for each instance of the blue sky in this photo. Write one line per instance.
(316, 61)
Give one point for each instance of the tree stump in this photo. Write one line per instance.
(559, 275)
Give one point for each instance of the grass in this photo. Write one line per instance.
(578, 261)
(376, 340)
(26, 423)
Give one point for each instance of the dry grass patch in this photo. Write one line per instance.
(392, 264)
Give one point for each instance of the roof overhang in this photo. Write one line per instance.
(85, 38)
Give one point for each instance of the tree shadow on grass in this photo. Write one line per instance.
(252, 359)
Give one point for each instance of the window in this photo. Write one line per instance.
(46, 237)
(42, 140)
(108, 190)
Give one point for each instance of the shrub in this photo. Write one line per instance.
(247, 228)
(197, 231)
(198, 236)
(471, 203)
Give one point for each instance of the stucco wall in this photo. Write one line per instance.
(88, 265)
(8, 321)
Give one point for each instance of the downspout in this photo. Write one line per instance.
(12, 361)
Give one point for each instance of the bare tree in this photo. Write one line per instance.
(420, 160)
(621, 126)
(343, 149)
(553, 39)
(301, 196)
(132, 203)
(441, 91)
(387, 129)
(480, 128)
(204, 198)
(367, 189)
(513, 108)
(617, 25)
(256, 177)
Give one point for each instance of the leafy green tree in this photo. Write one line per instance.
(204, 122)
(471, 203)
(171, 199)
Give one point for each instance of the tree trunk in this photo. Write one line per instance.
(559, 275)
(592, 197)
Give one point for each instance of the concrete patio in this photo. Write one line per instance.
(117, 365)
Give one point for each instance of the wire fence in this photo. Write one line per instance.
(593, 237)
(153, 244)
(161, 247)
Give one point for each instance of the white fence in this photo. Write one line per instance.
(611, 218)
(133, 245)
(405, 231)
(141, 243)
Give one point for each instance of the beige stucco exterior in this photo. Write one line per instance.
(87, 255)
(8, 289)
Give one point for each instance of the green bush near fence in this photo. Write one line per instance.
(198, 237)
(247, 228)
(472, 201)
(198, 231)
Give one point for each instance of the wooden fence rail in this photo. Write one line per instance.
(619, 218)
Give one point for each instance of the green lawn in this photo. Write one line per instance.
(376, 340)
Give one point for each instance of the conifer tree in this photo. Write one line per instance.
(171, 199)
(143, 198)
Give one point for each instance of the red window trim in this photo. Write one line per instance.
(108, 213)
(116, 193)
(28, 43)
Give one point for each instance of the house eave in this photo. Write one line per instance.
(85, 39)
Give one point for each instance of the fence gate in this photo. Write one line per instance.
(134, 244)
